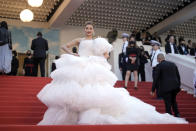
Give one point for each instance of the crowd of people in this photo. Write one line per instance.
(180, 45)
(132, 59)
(8, 59)
(165, 75)
(143, 56)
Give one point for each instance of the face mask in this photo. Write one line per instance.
(28, 54)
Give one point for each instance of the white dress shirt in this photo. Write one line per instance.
(194, 78)
(124, 48)
(172, 48)
(154, 57)
(183, 48)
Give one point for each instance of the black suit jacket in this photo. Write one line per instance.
(168, 48)
(143, 58)
(192, 51)
(181, 51)
(120, 60)
(5, 37)
(168, 77)
(39, 46)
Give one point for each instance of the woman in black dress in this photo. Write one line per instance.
(28, 66)
(132, 54)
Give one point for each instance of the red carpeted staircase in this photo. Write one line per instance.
(20, 108)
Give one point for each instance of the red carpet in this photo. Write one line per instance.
(19, 106)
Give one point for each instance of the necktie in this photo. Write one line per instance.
(123, 47)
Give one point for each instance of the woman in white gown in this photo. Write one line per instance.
(82, 92)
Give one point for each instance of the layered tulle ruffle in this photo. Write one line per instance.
(82, 92)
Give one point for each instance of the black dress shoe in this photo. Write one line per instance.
(125, 87)
(177, 115)
(159, 98)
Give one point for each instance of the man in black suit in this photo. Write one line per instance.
(39, 47)
(168, 76)
(171, 47)
(122, 65)
(182, 48)
(171, 33)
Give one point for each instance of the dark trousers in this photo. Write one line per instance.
(170, 102)
(141, 72)
(13, 72)
(157, 85)
(124, 70)
(41, 62)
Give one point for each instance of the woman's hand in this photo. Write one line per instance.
(152, 93)
(23, 72)
(106, 55)
(133, 59)
(146, 56)
(67, 47)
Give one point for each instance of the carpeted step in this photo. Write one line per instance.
(21, 113)
(19, 120)
(135, 127)
(19, 104)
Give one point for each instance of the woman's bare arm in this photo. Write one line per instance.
(67, 47)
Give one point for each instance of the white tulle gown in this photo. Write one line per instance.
(82, 92)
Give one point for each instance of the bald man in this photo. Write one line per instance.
(168, 76)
